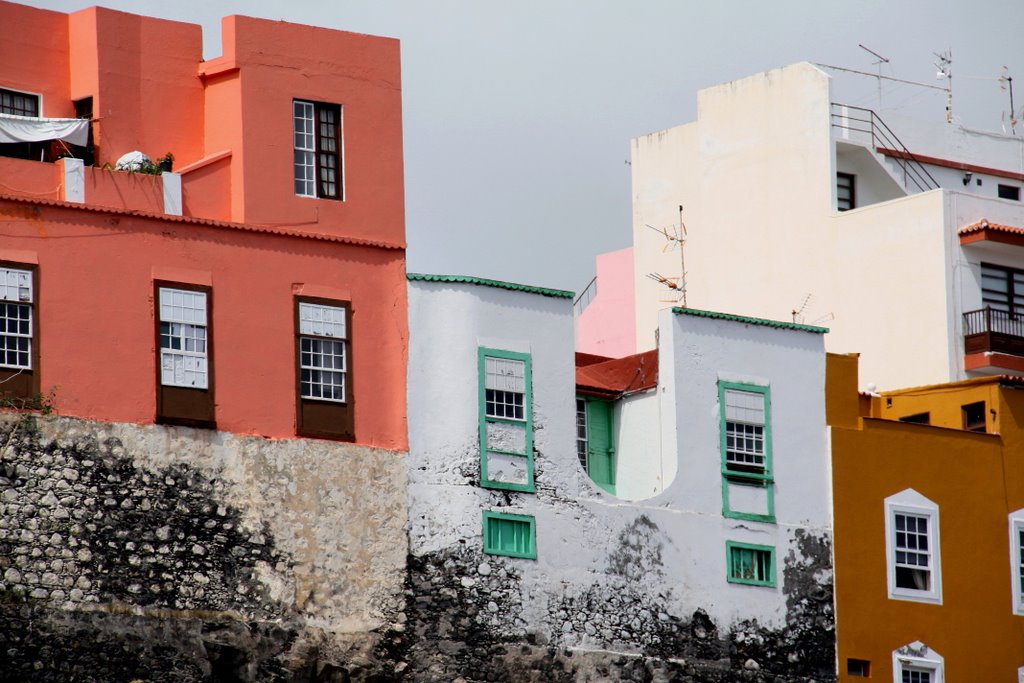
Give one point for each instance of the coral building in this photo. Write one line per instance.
(225, 343)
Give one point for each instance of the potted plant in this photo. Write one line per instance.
(166, 162)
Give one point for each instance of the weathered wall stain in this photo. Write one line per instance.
(638, 551)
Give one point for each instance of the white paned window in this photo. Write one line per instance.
(322, 364)
(1016, 522)
(744, 429)
(581, 433)
(305, 149)
(316, 128)
(183, 342)
(15, 318)
(505, 387)
(917, 663)
(913, 556)
(912, 547)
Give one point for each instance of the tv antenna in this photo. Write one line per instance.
(675, 238)
(798, 313)
(945, 70)
(879, 61)
(1006, 83)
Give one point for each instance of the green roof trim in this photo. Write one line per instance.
(558, 293)
(749, 321)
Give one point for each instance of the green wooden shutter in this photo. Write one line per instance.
(600, 449)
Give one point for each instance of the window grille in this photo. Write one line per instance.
(751, 564)
(322, 362)
(15, 318)
(744, 429)
(505, 387)
(913, 557)
(581, 433)
(183, 342)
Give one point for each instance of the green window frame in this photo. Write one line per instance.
(596, 436)
(510, 535)
(746, 451)
(750, 564)
(496, 412)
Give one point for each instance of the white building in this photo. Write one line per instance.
(798, 207)
(729, 562)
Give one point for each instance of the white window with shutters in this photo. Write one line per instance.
(183, 338)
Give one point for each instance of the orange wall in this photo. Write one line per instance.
(152, 92)
(98, 347)
(278, 62)
(974, 628)
(34, 55)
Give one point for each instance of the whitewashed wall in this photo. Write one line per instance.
(665, 555)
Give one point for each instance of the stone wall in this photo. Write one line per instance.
(170, 554)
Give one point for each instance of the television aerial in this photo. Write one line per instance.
(675, 237)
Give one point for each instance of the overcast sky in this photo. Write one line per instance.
(518, 115)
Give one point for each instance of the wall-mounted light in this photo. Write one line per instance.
(967, 177)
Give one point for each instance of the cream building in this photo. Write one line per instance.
(799, 208)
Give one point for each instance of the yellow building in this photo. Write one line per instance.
(929, 529)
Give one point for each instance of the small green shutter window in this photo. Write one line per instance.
(600, 449)
(750, 564)
(511, 535)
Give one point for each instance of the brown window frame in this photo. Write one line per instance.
(1014, 289)
(19, 383)
(318, 418)
(32, 151)
(185, 406)
(322, 154)
(852, 179)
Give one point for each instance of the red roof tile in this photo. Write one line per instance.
(619, 376)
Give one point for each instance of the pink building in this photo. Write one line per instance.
(605, 311)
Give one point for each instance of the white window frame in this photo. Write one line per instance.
(1016, 524)
(741, 424)
(25, 93)
(582, 434)
(176, 365)
(325, 324)
(917, 656)
(910, 502)
(507, 378)
(16, 290)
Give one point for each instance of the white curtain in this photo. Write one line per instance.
(32, 129)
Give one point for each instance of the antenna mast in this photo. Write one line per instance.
(945, 70)
(1006, 82)
(879, 62)
(676, 238)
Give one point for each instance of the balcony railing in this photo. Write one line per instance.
(866, 125)
(992, 330)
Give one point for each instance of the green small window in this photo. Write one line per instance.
(511, 535)
(750, 564)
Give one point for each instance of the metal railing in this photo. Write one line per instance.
(585, 297)
(866, 122)
(993, 321)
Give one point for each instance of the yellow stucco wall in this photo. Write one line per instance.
(976, 480)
